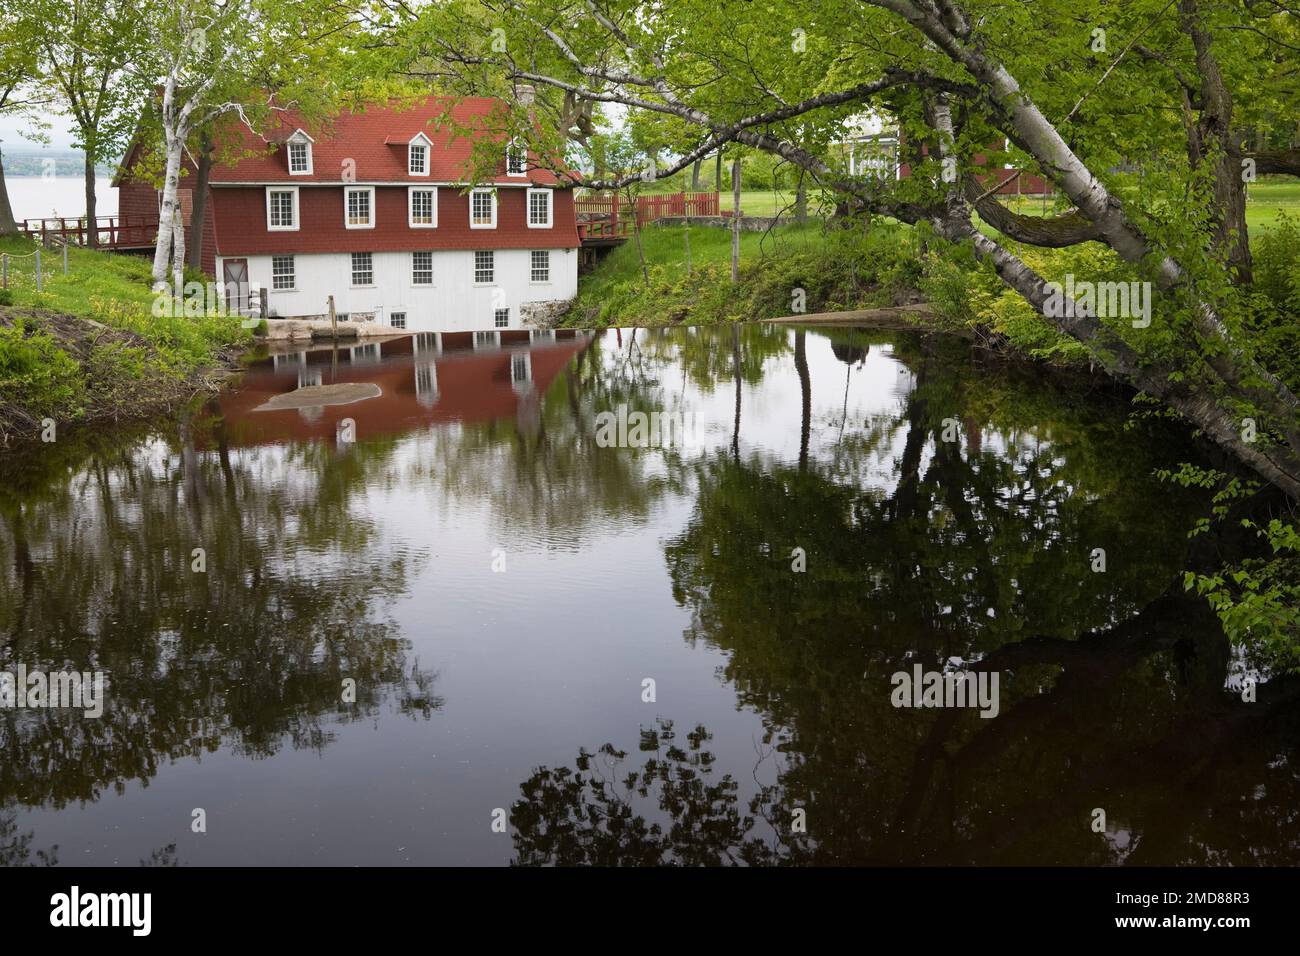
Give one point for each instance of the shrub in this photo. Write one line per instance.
(37, 375)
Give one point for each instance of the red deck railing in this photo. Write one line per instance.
(110, 231)
(604, 229)
(608, 208)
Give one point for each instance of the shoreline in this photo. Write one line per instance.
(126, 377)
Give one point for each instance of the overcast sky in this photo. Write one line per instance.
(12, 129)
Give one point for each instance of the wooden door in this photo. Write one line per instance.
(236, 283)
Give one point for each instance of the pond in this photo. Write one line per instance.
(450, 600)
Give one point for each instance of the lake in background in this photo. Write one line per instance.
(35, 197)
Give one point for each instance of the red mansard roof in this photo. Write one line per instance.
(375, 141)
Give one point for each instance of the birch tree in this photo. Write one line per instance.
(199, 45)
(247, 59)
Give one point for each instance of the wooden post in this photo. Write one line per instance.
(686, 232)
(334, 321)
(735, 219)
(264, 303)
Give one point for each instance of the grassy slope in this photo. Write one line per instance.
(88, 348)
(835, 268)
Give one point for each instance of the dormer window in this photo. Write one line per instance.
(417, 155)
(516, 160)
(299, 150)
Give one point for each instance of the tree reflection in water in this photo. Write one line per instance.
(920, 550)
(975, 551)
(250, 655)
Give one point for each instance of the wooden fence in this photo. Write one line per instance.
(649, 208)
(112, 232)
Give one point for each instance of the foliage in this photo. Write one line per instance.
(836, 268)
(38, 375)
(1257, 597)
(88, 346)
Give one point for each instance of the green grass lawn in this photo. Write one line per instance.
(93, 278)
(1266, 201)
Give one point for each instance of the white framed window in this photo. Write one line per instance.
(282, 273)
(298, 147)
(540, 270)
(417, 155)
(539, 208)
(299, 159)
(516, 160)
(363, 268)
(501, 318)
(397, 320)
(422, 207)
(282, 208)
(483, 209)
(359, 207)
(422, 268)
(484, 267)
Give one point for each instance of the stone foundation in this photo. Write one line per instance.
(306, 329)
(543, 315)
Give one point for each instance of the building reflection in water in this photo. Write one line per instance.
(424, 379)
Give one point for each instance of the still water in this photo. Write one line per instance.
(499, 589)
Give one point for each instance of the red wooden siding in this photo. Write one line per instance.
(241, 223)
